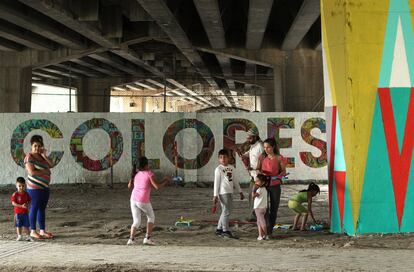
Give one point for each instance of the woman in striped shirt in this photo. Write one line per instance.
(38, 168)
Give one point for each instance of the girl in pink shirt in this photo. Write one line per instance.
(140, 199)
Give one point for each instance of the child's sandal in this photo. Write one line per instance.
(47, 235)
(36, 235)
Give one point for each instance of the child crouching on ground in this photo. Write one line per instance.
(140, 200)
(295, 204)
(259, 195)
(21, 201)
(223, 190)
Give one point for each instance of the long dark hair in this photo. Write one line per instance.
(264, 179)
(272, 143)
(139, 166)
(142, 163)
(312, 187)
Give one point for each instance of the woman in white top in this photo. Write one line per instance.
(260, 205)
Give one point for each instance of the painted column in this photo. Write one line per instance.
(368, 54)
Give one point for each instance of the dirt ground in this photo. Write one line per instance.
(86, 214)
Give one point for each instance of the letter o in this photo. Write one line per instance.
(206, 151)
(76, 147)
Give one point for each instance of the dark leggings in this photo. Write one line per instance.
(37, 212)
(274, 196)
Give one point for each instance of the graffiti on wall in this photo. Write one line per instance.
(207, 147)
(138, 144)
(116, 144)
(230, 126)
(307, 157)
(95, 152)
(274, 125)
(23, 129)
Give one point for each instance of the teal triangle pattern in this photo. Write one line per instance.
(348, 222)
(335, 216)
(400, 98)
(377, 210)
(407, 223)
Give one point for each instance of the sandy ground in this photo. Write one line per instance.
(87, 214)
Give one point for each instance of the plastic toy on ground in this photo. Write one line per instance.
(184, 222)
(316, 227)
(282, 226)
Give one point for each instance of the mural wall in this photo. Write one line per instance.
(369, 98)
(85, 146)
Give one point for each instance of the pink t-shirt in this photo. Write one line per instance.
(270, 167)
(142, 187)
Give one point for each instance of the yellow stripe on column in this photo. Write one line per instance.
(354, 34)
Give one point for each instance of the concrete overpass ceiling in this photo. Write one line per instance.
(306, 16)
(211, 42)
(312, 39)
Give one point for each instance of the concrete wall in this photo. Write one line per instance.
(84, 144)
(369, 91)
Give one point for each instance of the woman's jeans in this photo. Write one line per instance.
(39, 197)
(274, 196)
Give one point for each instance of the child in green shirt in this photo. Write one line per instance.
(295, 204)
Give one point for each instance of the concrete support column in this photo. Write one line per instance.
(303, 79)
(369, 94)
(93, 95)
(266, 99)
(278, 88)
(15, 89)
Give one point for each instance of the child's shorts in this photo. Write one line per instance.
(297, 207)
(22, 220)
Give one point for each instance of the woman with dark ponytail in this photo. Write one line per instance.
(271, 164)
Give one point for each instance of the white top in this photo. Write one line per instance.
(255, 151)
(260, 201)
(224, 180)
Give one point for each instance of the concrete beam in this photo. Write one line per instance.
(145, 86)
(60, 71)
(210, 17)
(264, 57)
(133, 57)
(57, 11)
(190, 92)
(13, 12)
(307, 15)
(24, 37)
(46, 74)
(118, 63)
(259, 11)
(39, 59)
(6, 45)
(79, 69)
(97, 66)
